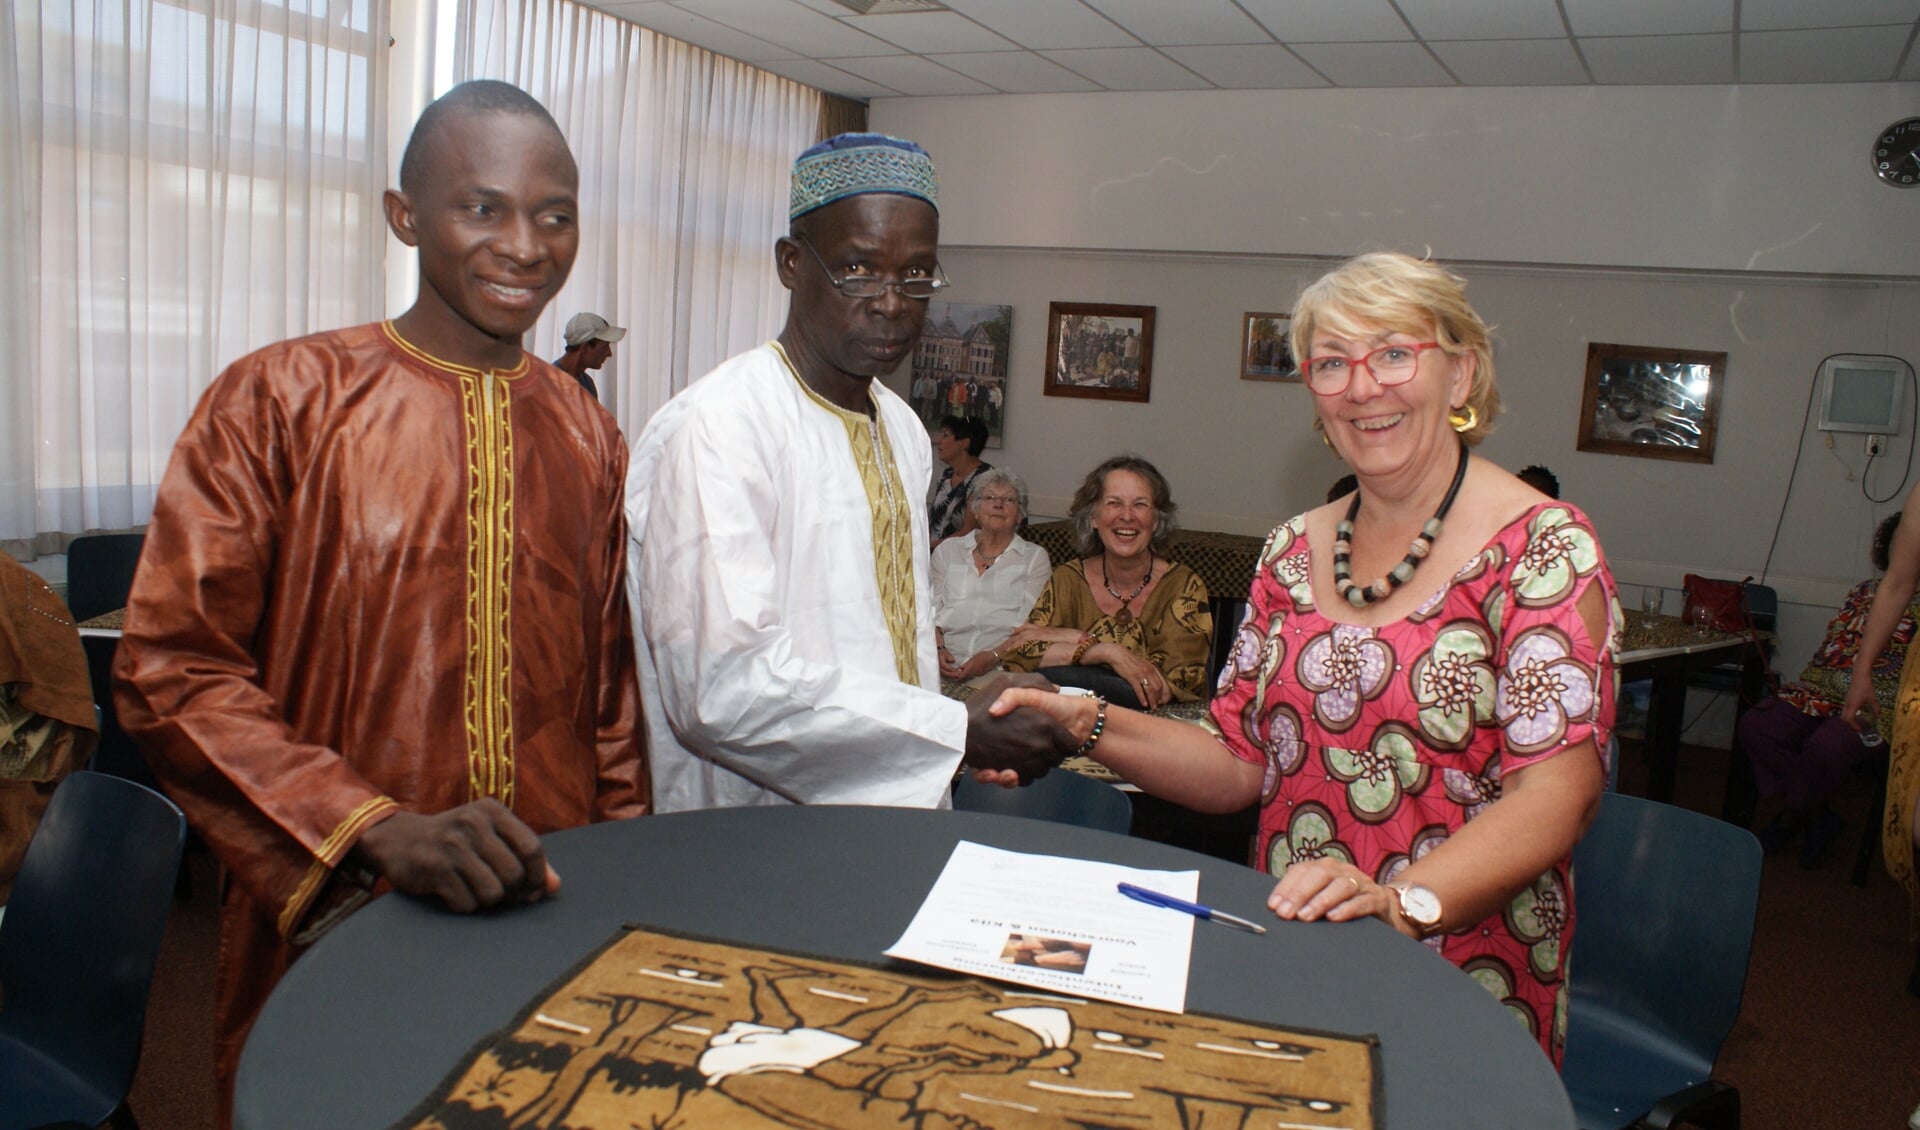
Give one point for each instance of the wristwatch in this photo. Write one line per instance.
(1420, 906)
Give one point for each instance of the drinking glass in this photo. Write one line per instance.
(1702, 620)
(1651, 597)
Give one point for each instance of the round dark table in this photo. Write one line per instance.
(371, 1020)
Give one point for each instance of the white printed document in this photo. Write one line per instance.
(1057, 924)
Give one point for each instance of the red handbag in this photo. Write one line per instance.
(1717, 604)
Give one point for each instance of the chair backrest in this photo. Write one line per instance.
(115, 753)
(1665, 900)
(1062, 797)
(82, 929)
(1763, 604)
(1227, 612)
(100, 572)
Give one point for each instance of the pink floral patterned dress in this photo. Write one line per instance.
(1381, 742)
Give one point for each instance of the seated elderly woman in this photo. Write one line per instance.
(1427, 746)
(985, 581)
(1122, 620)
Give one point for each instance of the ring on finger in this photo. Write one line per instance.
(1355, 882)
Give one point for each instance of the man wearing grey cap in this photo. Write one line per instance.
(590, 341)
(778, 531)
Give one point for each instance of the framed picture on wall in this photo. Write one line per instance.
(1652, 402)
(1099, 351)
(1265, 354)
(960, 366)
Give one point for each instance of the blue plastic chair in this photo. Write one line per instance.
(1062, 797)
(77, 950)
(1666, 902)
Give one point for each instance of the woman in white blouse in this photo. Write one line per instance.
(986, 580)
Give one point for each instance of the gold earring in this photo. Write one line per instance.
(1463, 423)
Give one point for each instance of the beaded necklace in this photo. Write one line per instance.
(1416, 552)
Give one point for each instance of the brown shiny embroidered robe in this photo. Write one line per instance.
(375, 580)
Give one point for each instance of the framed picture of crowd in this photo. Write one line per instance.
(960, 366)
(1099, 351)
(1264, 352)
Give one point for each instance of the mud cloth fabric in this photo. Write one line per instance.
(667, 1031)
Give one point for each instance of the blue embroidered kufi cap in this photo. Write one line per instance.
(856, 163)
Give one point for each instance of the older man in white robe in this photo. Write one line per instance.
(777, 570)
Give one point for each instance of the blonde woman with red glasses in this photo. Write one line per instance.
(1422, 691)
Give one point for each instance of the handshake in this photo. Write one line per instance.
(1025, 741)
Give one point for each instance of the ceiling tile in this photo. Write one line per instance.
(1016, 72)
(1248, 67)
(1659, 60)
(791, 25)
(910, 74)
(1192, 21)
(1848, 54)
(1649, 17)
(1771, 15)
(1056, 23)
(931, 33)
(830, 79)
(1129, 68)
(1484, 19)
(1375, 64)
(1329, 21)
(1512, 62)
(700, 31)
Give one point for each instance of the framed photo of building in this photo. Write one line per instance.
(1099, 351)
(1652, 402)
(1265, 354)
(960, 366)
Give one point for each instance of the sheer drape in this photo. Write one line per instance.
(684, 160)
(185, 181)
(188, 180)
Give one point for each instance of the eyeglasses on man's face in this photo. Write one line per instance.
(867, 286)
(1009, 499)
(1393, 364)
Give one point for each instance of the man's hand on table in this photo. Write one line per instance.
(474, 856)
(1025, 743)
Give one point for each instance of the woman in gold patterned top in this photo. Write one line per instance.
(1122, 620)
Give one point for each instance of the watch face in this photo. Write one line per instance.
(1896, 154)
(1420, 905)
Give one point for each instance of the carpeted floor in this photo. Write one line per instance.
(1828, 1037)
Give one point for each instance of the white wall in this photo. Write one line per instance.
(1771, 178)
(1038, 206)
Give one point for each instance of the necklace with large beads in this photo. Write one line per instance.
(1417, 551)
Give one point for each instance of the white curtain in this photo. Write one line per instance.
(684, 160)
(184, 181)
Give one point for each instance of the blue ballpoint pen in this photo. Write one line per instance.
(1155, 898)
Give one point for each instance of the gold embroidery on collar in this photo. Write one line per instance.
(892, 522)
(419, 354)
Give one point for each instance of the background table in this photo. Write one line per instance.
(1666, 650)
(370, 1021)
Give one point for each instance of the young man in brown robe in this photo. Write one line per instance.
(379, 638)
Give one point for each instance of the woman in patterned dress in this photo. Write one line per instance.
(1426, 748)
(1900, 826)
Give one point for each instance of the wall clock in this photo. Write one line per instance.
(1896, 154)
